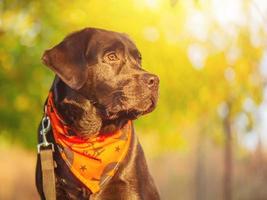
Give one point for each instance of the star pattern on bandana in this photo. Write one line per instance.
(93, 161)
(83, 168)
(117, 148)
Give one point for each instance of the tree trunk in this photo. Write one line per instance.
(200, 172)
(228, 165)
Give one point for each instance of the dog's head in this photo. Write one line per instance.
(105, 67)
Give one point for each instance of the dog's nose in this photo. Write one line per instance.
(151, 80)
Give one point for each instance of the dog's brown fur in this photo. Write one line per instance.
(99, 85)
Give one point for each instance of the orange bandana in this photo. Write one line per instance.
(92, 161)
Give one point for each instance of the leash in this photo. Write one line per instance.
(92, 162)
(46, 149)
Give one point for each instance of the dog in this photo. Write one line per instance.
(99, 88)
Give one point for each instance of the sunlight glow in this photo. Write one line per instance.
(228, 11)
(250, 141)
(198, 25)
(151, 34)
(229, 74)
(153, 4)
(263, 64)
(197, 55)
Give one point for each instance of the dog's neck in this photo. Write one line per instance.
(80, 113)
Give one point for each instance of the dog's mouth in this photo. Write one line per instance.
(152, 106)
(132, 113)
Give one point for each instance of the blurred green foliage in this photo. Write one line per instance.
(202, 64)
(211, 58)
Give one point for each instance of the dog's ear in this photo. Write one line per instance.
(68, 58)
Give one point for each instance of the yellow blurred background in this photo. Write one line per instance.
(207, 138)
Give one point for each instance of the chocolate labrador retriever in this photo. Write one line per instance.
(99, 86)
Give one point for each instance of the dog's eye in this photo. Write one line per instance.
(112, 56)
